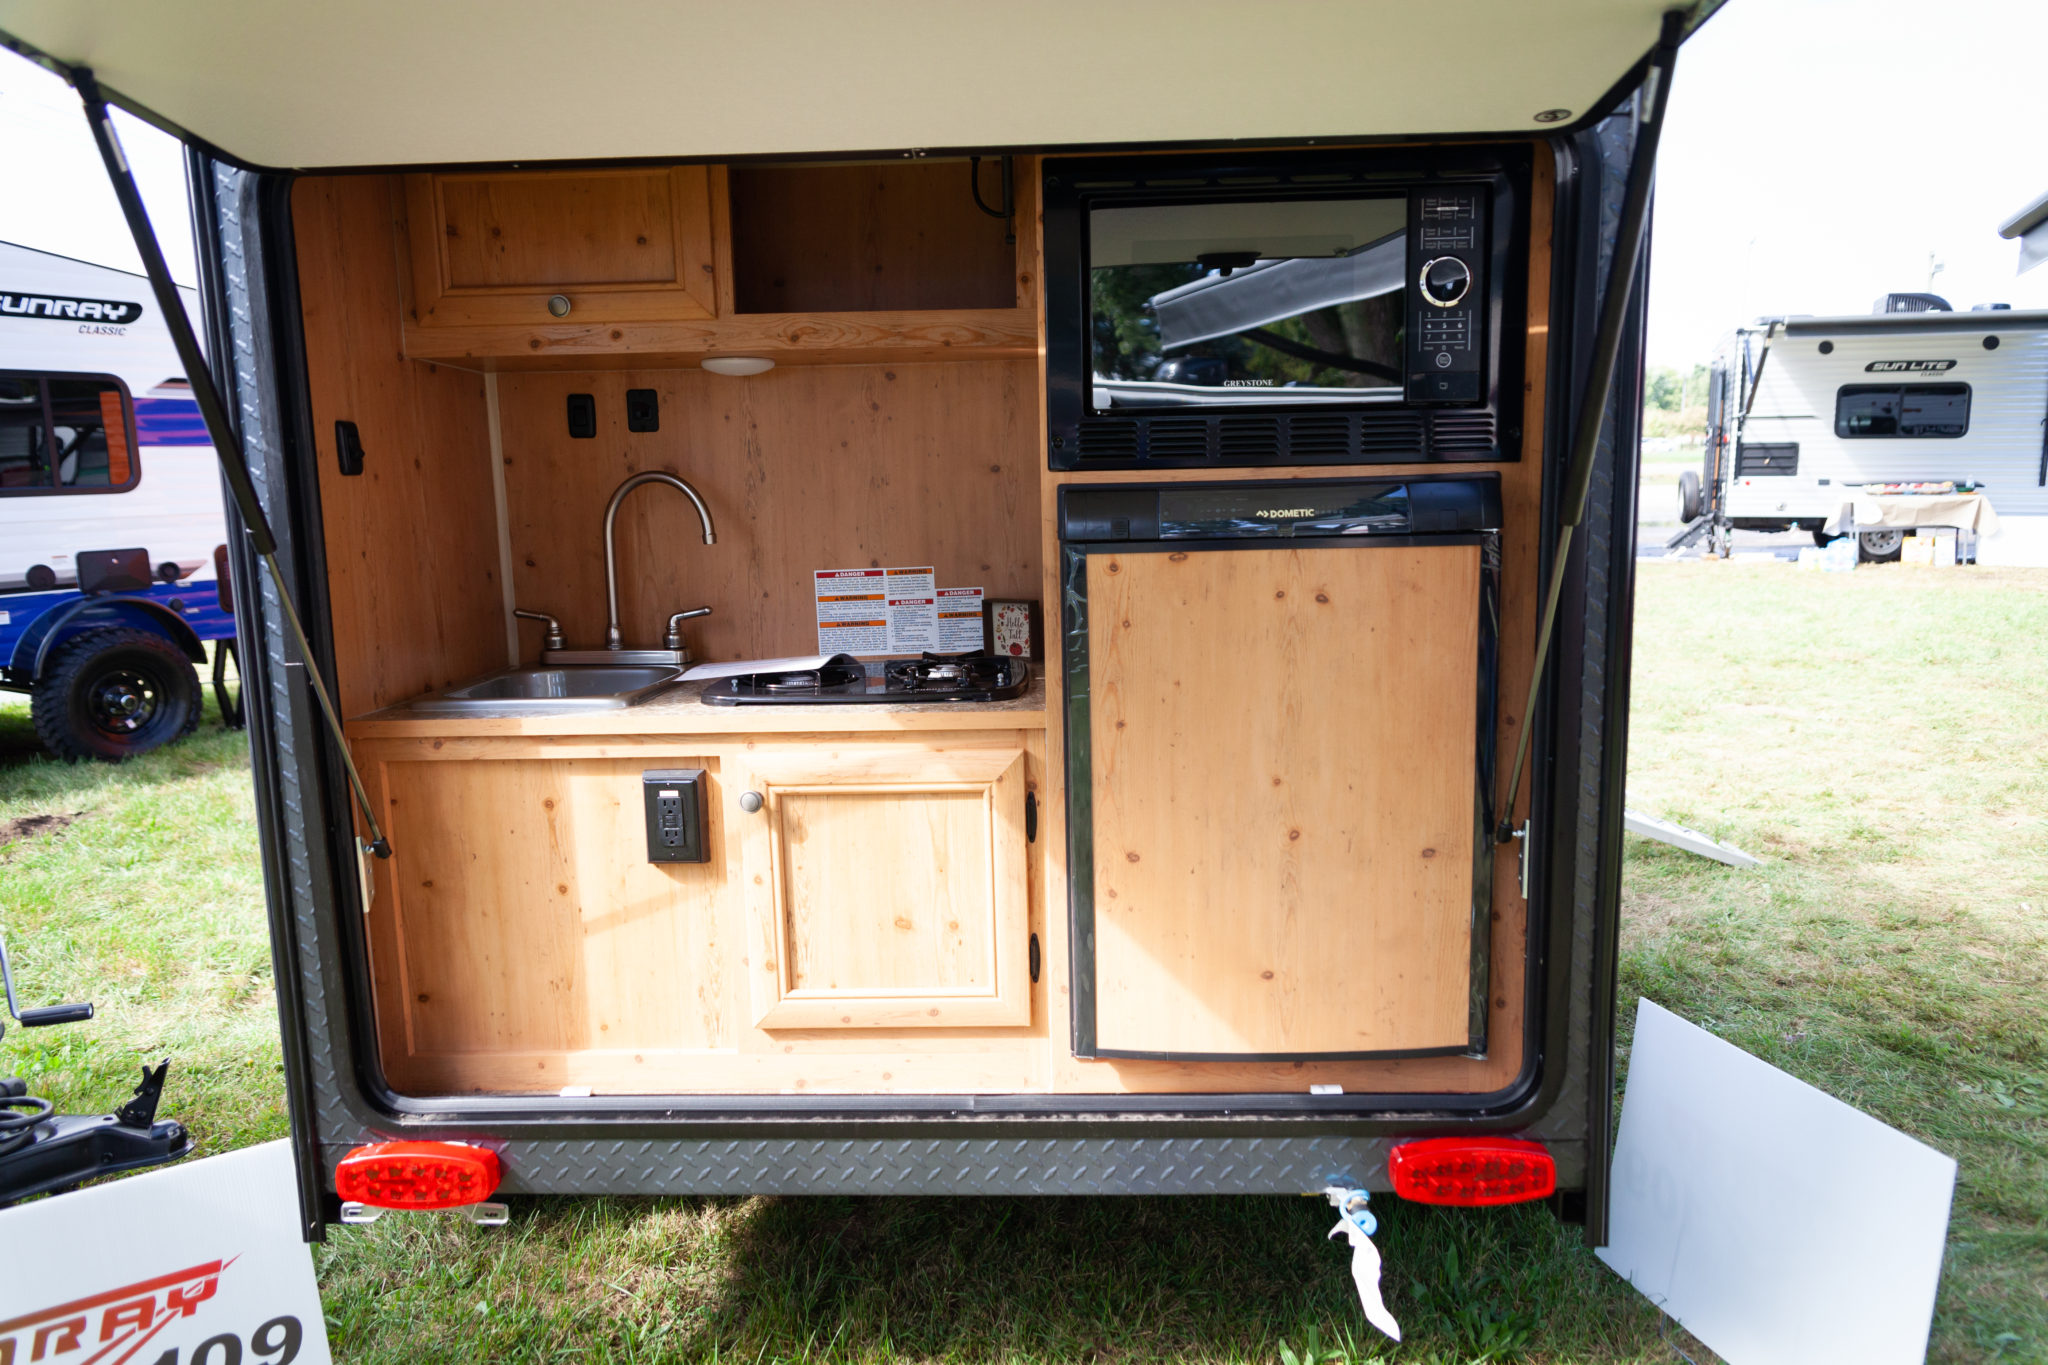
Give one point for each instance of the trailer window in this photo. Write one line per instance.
(1910, 410)
(24, 434)
(65, 433)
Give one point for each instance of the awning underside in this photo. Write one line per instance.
(379, 83)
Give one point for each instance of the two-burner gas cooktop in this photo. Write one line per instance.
(975, 676)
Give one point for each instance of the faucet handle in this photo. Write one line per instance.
(554, 640)
(674, 638)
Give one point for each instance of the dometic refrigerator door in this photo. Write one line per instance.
(1280, 713)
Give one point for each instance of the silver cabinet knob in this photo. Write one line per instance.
(558, 304)
(750, 802)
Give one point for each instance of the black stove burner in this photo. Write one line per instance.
(975, 676)
(812, 681)
(947, 672)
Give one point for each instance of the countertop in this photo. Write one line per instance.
(679, 711)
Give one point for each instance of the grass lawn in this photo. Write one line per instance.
(1880, 739)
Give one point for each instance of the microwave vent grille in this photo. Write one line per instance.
(1298, 438)
(1111, 442)
(1320, 436)
(1249, 438)
(1392, 436)
(1463, 436)
(1177, 438)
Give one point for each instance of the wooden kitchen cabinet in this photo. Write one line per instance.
(885, 886)
(519, 920)
(626, 245)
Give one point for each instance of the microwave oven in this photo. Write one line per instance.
(1285, 309)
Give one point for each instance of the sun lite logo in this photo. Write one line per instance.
(1908, 366)
(60, 308)
(109, 1328)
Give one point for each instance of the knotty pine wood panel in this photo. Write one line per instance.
(833, 239)
(838, 1060)
(803, 469)
(886, 886)
(412, 553)
(887, 891)
(1299, 879)
(629, 244)
(523, 914)
(535, 231)
(1522, 495)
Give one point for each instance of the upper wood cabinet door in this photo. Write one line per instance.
(621, 245)
(885, 886)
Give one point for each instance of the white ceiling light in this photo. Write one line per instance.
(738, 366)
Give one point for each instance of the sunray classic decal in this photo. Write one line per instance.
(63, 308)
(115, 1326)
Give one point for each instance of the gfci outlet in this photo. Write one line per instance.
(675, 803)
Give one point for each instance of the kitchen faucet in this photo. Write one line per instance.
(611, 573)
(614, 651)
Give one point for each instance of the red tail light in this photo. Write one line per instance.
(417, 1175)
(1472, 1171)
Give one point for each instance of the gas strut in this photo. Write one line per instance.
(1621, 272)
(226, 445)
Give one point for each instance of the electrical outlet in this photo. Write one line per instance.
(583, 416)
(674, 798)
(643, 410)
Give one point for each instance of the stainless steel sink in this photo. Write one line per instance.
(541, 691)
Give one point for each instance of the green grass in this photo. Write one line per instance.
(150, 904)
(1880, 739)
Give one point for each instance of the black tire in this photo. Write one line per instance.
(1880, 547)
(114, 693)
(1688, 497)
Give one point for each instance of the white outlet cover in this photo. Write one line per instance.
(1779, 1225)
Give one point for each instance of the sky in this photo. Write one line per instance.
(1816, 153)
(57, 196)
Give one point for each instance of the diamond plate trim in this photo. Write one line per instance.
(997, 1166)
(1569, 1115)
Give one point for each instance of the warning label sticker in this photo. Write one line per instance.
(959, 620)
(853, 616)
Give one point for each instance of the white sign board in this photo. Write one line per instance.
(196, 1264)
(1775, 1222)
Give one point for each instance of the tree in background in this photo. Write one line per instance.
(1675, 404)
(1669, 391)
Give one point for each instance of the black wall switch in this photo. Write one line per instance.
(348, 448)
(643, 410)
(582, 416)
(675, 815)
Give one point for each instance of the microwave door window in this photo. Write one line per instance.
(1275, 302)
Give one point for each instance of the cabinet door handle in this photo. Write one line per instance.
(750, 802)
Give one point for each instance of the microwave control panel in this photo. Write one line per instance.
(1446, 295)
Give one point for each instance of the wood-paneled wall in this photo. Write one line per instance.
(803, 469)
(412, 548)
(857, 238)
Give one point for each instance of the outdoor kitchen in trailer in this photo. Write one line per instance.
(1127, 525)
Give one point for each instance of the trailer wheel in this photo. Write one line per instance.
(115, 693)
(1688, 497)
(1879, 547)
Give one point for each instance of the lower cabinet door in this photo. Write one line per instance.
(885, 886)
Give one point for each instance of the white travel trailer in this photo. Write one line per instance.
(110, 511)
(87, 324)
(1805, 411)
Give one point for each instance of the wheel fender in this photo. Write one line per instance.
(32, 653)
